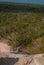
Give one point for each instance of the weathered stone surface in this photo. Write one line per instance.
(39, 60)
(8, 57)
(4, 47)
(21, 59)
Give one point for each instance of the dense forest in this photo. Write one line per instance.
(20, 7)
(23, 25)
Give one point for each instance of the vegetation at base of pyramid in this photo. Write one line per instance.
(23, 25)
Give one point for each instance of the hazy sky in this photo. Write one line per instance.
(26, 1)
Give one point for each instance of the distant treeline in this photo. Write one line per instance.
(21, 8)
